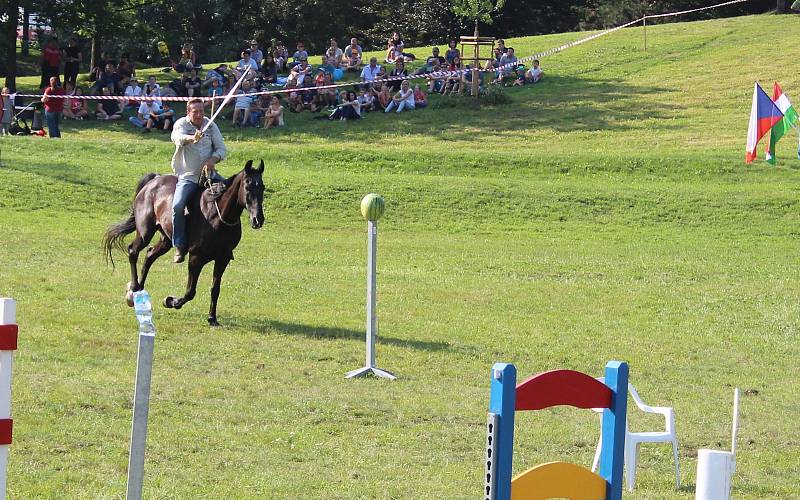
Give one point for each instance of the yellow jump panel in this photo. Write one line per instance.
(558, 480)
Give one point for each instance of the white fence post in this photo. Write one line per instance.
(8, 344)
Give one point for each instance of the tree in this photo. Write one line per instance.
(9, 43)
(477, 10)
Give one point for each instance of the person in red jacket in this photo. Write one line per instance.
(53, 106)
(51, 62)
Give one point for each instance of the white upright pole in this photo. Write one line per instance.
(372, 316)
(8, 343)
(141, 398)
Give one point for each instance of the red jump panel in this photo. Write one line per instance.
(562, 387)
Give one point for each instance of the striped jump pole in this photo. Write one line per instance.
(8, 344)
(141, 398)
(371, 208)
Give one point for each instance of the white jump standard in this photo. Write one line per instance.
(371, 208)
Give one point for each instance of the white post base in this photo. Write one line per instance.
(370, 369)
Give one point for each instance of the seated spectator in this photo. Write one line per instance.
(420, 98)
(437, 80)
(125, 70)
(519, 77)
(163, 120)
(352, 56)
(256, 54)
(404, 99)
(507, 66)
(187, 60)
(452, 51)
(77, 108)
(222, 74)
(100, 67)
(398, 71)
(453, 82)
(147, 110)
(299, 55)
(242, 103)
(308, 95)
(108, 78)
(132, 90)
(534, 75)
(371, 71)
(280, 54)
(300, 71)
(499, 51)
(255, 113)
(269, 70)
(383, 96)
(394, 48)
(191, 85)
(348, 109)
(216, 90)
(246, 65)
(151, 88)
(108, 109)
(328, 64)
(293, 96)
(367, 101)
(467, 79)
(274, 114)
(430, 63)
(334, 53)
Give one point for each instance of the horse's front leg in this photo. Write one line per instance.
(219, 268)
(195, 266)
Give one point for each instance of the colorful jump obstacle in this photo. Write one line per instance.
(552, 388)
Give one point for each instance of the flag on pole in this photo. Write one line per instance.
(763, 115)
(782, 127)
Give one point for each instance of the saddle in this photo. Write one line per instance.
(214, 187)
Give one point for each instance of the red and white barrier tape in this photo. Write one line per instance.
(433, 75)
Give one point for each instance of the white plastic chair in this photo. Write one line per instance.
(634, 439)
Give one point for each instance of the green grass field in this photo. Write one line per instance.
(606, 213)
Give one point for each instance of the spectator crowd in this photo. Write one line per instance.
(374, 86)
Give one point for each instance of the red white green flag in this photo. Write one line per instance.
(790, 119)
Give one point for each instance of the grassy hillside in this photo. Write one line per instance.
(604, 214)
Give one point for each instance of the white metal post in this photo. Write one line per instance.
(8, 343)
(372, 316)
(141, 398)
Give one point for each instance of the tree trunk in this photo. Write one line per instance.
(475, 63)
(11, 45)
(93, 54)
(26, 30)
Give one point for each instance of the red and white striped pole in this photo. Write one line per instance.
(8, 344)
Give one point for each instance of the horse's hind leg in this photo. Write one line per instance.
(195, 266)
(156, 251)
(219, 268)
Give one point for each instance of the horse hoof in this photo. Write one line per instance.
(129, 298)
(169, 302)
(129, 287)
(213, 322)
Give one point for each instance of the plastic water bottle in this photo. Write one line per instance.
(144, 312)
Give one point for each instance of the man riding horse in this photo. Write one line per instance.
(194, 151)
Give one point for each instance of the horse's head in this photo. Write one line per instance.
(251, 193)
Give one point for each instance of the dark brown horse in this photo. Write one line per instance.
(213, 231)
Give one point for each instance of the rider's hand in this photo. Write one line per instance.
(197, 136)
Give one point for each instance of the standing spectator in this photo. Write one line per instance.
(335, 53)
(404, 99)
(6, 110)
(147, 110)
(77, 108)
(352, 55)
(371, 71)
(192, 84)
(246, 65)
(108, 109)
(256, 54)
(132, 90)
(398, 71)
(534, 75)
(53, 106)
(274, 114)
(420, 98)
(72, 57)
(299, 55)
(269, 70)
(452, 51)
(51, 62)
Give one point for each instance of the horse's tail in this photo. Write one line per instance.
(116, 232)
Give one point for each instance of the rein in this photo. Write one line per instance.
(210, 187)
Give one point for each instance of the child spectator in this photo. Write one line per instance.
(147, 110)
(274, 114)
(352, 56)
(6, 110)
(295, 102)
(132, 90)
(243, 100)
(269, 70)
(308, 95)
(366, 100)
(151, 88)
(281, 55)
(335, 53)
(258, 108)
(384, 97)
(453, 83)
(246, 65)
(108, 109)
(534, 75)
(299, 55)
(420, 98)
(436, 81)
(77, 108)
(452, 51)
(192, 84)
(519, 80)
(404, 99)
(215, 89)
(162, 120)
(398, 71)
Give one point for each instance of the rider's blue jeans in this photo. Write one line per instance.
(183, 193)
